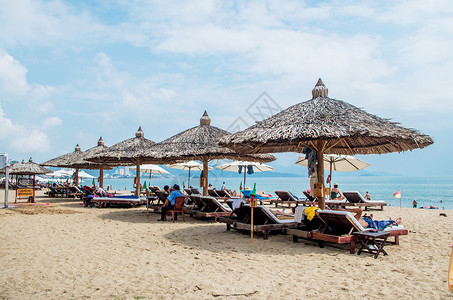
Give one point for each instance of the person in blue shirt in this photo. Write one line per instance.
(170, 202)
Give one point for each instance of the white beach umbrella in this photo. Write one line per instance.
(151, 169)
(340, 163)
(83, 174)
(188, 165)
(235, 166)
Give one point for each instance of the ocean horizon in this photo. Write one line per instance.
(427, 191)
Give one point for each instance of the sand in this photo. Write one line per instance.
(67, 251)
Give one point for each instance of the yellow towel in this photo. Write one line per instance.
(310, 212)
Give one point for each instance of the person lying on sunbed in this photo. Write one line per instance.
(368, 222)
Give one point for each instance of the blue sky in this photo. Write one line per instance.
(71, 71)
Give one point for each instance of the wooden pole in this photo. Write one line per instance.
(244, 174)
(34, 187)
(188, 184)
(101, 177)
(76, 178)
(251, 221)
(137, 188)
(205, 176)
(320, 170)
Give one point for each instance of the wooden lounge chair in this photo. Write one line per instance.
(213, 193)
(188, 191)
(357, 199)
(264, 221)
(224, 194)
(285, 197)
(125, 200)
(337, 227)
(195, 191)
(208, 207)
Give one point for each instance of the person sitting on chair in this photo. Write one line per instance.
(335, 194)
(170, 202)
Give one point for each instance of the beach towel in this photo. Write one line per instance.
(310, 212)
(236, 203)
(299, 214)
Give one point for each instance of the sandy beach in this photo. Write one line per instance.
(67, 251)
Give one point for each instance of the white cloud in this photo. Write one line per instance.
(22, 138)
(12, 75)
(51, 122)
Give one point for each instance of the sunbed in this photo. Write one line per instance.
(264, 221)
(195, 191)
(225, 194)
(188, 191)
(130, 200)
(285, 197)
(208, 207)
(213, 193)
(336, 227)
(357, 199)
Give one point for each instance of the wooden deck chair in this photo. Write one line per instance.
(337, 227)
(264, 221)
(162, 196)
(195, 191)
(188, 191)
(356, 197)
(284, 197)
(213, 193)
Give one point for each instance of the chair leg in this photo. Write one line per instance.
(173, 216)
(182, 213)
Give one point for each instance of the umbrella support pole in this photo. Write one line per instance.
(251, 223)
(188, 183)
(137, 184)
(320, 169)
(205, 177)
(244, 175)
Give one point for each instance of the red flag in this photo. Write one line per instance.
(397, 194)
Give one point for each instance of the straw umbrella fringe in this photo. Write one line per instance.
(328, 126)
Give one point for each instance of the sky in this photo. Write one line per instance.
(72, 71)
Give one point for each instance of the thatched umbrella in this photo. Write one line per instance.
(66, 160)
(130, 152)
(201, 143)
(26, 168)
(327, 126)
(81, 162)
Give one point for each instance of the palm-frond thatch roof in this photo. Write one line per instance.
(65, 160)
(201, 142)
(26, 168)
(344, 128)
(80, 162)
(126, 153)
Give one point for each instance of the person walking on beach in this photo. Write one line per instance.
(170, 202)
(414, 204)
(367, 196)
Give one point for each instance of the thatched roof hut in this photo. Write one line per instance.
(26, 168)
(201, 143)
(65, 160)
(130, 152)
(80, 161)
(328, 126)
(126, 153)
(345, 128)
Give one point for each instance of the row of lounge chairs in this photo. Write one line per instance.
(351, 199)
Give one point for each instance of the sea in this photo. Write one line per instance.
(427, 191)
